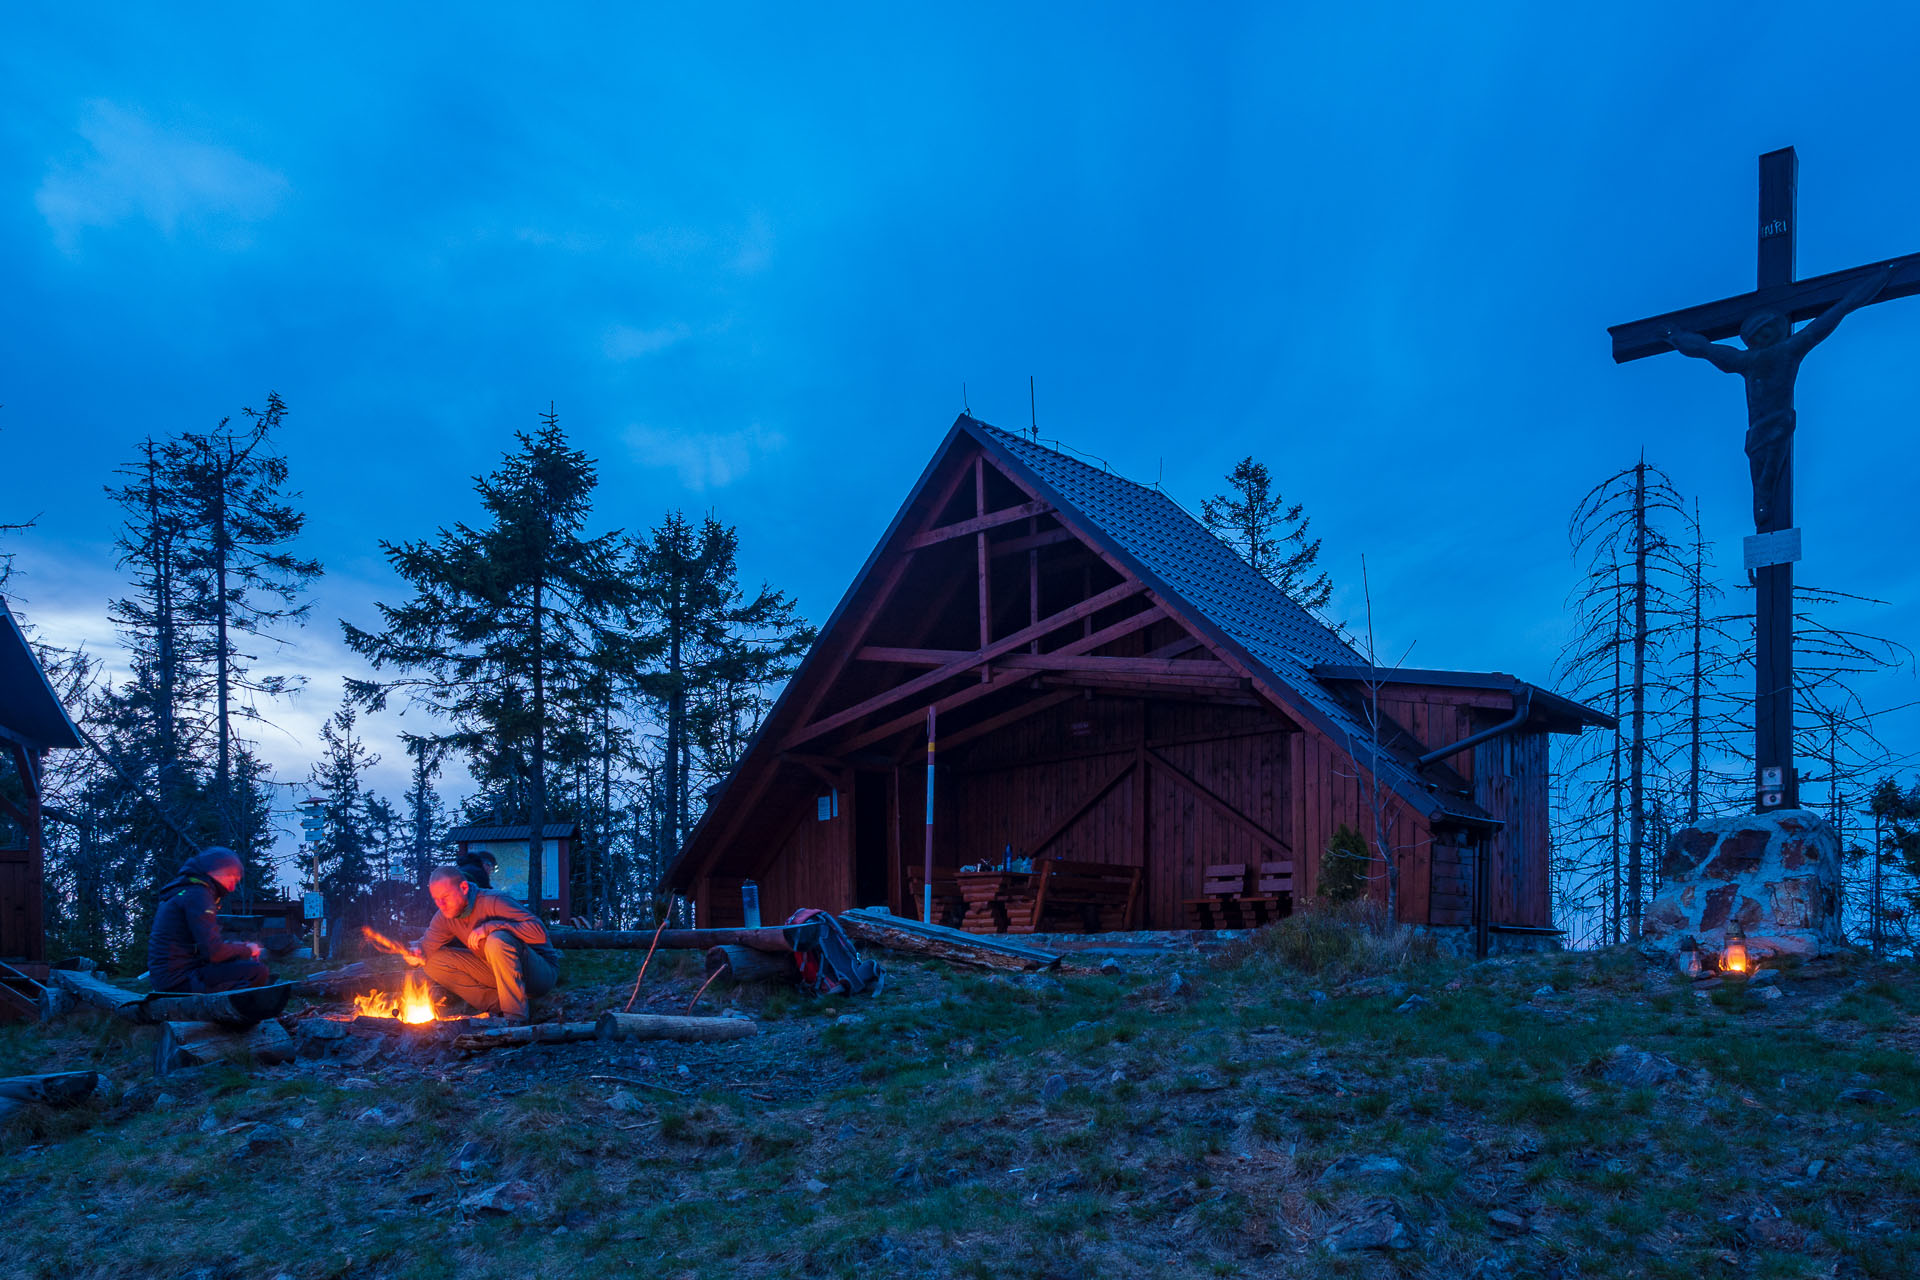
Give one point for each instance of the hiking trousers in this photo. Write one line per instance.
(500, 978)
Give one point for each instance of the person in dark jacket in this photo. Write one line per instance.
(477, 865)
(185, 951)
(503, 957)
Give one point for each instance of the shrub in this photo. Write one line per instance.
(1343, 867)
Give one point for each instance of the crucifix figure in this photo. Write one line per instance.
(1764, 321)
(1769, 365)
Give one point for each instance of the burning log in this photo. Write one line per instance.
(655, 1026)
(192, 1044)
(414, 1004)
(533, 1033)
(897, 933)
(751, 966)
(242, 1008)
(790, 938)
(57, 1089)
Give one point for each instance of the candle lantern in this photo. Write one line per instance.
(1733, 959)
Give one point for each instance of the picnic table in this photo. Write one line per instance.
(1057, 895)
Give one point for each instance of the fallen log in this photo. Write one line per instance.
(193, 1044)
(882, 928)
(242, 1008)
(745, 965)
(656, 1026)
(353, 977)
(533, 1033)
(774, 939)
(56, 1089)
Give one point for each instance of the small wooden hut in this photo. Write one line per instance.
(1112, 684)
(32, 722)
(509, 847)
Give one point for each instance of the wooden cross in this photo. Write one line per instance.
(1775, 546)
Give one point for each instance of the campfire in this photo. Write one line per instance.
(413, 1005)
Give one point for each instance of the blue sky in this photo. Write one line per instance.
(752, 254)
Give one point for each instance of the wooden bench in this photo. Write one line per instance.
(1076, 897)
(1227, 903)
(1224, 882)
(1272, 896)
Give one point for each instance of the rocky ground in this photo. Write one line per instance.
(1324, 1098)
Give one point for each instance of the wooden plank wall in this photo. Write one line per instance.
(21, 935)
(1013, 787)
(1333, 793)
(814, 868)
(1510, 782)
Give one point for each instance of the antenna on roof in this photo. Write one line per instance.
(964, 406)
(1032, 415)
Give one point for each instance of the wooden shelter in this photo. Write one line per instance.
(32, 722)
(1112, 684)
(509, 847)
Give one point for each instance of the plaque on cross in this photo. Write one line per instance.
(1768, 364)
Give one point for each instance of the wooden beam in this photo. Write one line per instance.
(978, 524)
(1031, 542)
(1079, 811)
(950, 741)
(1800, 300)
(1053, 622)
(1207, 797)
(882, 929)
(1172, 684)
(1054, 662)
(1106, 635)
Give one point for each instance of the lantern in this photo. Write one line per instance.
(1734, 958)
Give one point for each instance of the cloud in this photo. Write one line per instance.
(137, 171)
(624, 342)
(703, 460)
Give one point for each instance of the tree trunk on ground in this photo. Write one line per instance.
(240, 1008)
(897, 933)
(193, 1044)
(746, 965)
(485, 1037)
(57, 1089)
(775, 940)
(653, 1026)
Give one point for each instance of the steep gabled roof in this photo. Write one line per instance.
(1217, 593)
(1205, 584)
(30, 711)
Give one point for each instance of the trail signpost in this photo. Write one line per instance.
(1768, 365)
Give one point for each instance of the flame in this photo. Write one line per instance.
(1735, 958)
(415, 1003)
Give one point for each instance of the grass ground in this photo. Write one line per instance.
(1100, 1125)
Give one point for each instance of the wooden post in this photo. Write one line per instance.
(926, 882)
(1773, 584)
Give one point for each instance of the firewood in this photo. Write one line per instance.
(533, 1033)
(654, 1026)
(897, 933)
(56, 1089)
(745, 965)
(189, 1044)
(775, 939)
(241, 1008)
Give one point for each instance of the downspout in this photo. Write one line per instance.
(1522, 706)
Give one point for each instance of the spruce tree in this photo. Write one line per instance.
(1271, 535)
(237, 520)
(504, 618)
(720, 650)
